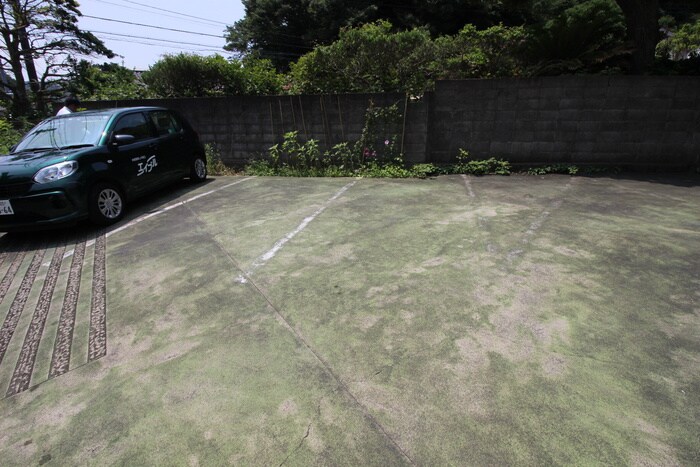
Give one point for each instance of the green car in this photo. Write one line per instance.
(88, 165)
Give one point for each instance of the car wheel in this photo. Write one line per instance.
(106, 204)
(198, 171)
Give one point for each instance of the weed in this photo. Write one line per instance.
(554, 169)
(465, 165)
(571, 169)
(215, 166)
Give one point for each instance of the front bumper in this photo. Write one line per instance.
(44, 210)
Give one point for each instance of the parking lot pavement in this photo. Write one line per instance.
(457, 320)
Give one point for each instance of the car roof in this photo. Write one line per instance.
(115, 110)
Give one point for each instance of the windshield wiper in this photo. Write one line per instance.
(33, 150)
(76, 146)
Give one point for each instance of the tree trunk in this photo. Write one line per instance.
(34, 84)
(642, 18)
(27, 54)
(21, 105)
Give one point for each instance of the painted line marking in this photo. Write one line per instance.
(172, 206)
(144, 217)
(268, 255)
(537, 223)
(468, 184)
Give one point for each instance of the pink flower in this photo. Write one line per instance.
(386, 142)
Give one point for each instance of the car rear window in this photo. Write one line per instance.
(165, 123)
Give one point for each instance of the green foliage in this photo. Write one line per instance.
(215, 166)
(378, 141)
(375, 58)
(259, 77)
(427, 170)
(188, 75)
(9, 136)
(682, 44)
(488, 53)
(284, 30)
(570, 169)
(370, 58)
(38, 42)
(587, 36)
(108, 81)
(375, 154)
(554, 169)
(466, 165)
(575, 33)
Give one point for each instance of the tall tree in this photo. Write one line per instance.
(284, 30)
(39, 39)
(642, 18)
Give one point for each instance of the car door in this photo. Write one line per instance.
(174, 150)
(137, 163)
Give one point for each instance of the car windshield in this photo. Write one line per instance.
(76, 130)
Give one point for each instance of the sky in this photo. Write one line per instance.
(140, 46)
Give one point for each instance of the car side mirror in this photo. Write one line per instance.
(121, 140)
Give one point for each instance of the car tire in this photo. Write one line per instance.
(198, 170)
(106, 204)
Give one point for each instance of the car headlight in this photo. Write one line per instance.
(56, 172)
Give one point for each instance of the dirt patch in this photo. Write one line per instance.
(314, 441)
(554, 366)
(336, 255)
(366, 322)
(287, 407)
(59, 416)
(516, 330)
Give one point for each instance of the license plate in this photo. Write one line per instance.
(5, 207)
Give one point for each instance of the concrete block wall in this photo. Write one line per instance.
(244, 127)
(637, 122)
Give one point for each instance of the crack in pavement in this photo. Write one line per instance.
(305, 342)
(308, 431)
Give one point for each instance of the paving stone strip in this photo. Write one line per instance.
(25, 363)
(97, 342)
(12, 318)
(11, 272)
(60, 360)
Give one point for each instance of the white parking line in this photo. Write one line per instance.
(168, 208)
(268, 255)
(159, 212)
(468, 184)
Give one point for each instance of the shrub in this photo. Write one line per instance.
(554, 169)
(492, 165)
(9, 136)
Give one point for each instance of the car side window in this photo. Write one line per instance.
(165, 123)
(135, 125)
